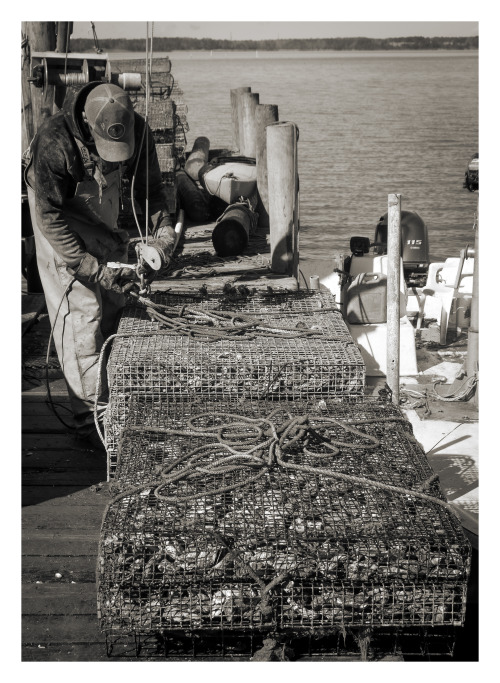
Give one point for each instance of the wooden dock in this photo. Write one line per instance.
(63, 500)
(64, 488)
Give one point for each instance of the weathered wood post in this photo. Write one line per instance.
(283, 196)
(248, 103)
(41, 36)
(235, 116)
(64, 30)
(265, 114)
(37, 105)
(393, 293)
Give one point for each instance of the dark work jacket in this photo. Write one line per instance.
(56, 166)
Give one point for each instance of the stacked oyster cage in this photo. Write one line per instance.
(167, 118)
(146, 360)
(288, 504)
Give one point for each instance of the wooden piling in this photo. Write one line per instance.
(282, 186)
(64, 31)
(265, 114)
(41, 36)
(248, 104)
(393, 293)
(235, 117)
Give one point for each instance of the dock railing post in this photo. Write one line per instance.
(283, 196)
(393, 293)
(246, 113)
(265, 114)
(235, 115)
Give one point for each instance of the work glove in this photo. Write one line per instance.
(118, 280)
(159, 220)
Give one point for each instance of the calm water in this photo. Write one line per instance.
(370, 124)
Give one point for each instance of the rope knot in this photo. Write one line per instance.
(265, 607)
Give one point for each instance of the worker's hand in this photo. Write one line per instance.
(161, 221)
(118, 280)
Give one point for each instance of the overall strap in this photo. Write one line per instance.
(92, 168)
(88, 163)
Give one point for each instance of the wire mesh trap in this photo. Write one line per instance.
(144, 445)
(167, 118)
(286, 345)
(272, 522)
(130, 410)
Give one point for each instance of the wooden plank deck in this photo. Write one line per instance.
(63, 498)
(197, 264)
(32, 307)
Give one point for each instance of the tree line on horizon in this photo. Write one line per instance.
(359, 43)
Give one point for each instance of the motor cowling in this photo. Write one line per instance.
(414, 243)
(471, 181)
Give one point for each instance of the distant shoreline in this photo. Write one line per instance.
(303, 44)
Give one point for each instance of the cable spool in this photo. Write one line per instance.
(130, 81)
(56, 76)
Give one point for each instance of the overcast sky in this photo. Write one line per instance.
(254, 30)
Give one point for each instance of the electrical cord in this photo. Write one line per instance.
(143, 135)
(148, 84)
(50, 401)
(132, 185)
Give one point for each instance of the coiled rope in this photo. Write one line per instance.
(213, 326)
(266, 454)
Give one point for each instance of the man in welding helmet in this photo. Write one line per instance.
(75, 167)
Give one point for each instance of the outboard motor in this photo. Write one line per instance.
(414, 246)
(471, 181)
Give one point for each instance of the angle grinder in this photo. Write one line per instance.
(151, 258)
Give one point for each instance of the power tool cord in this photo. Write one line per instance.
(50, 401)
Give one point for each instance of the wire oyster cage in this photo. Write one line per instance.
(129, 410)
(129, 466)
(281, 528)
(298, 346)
